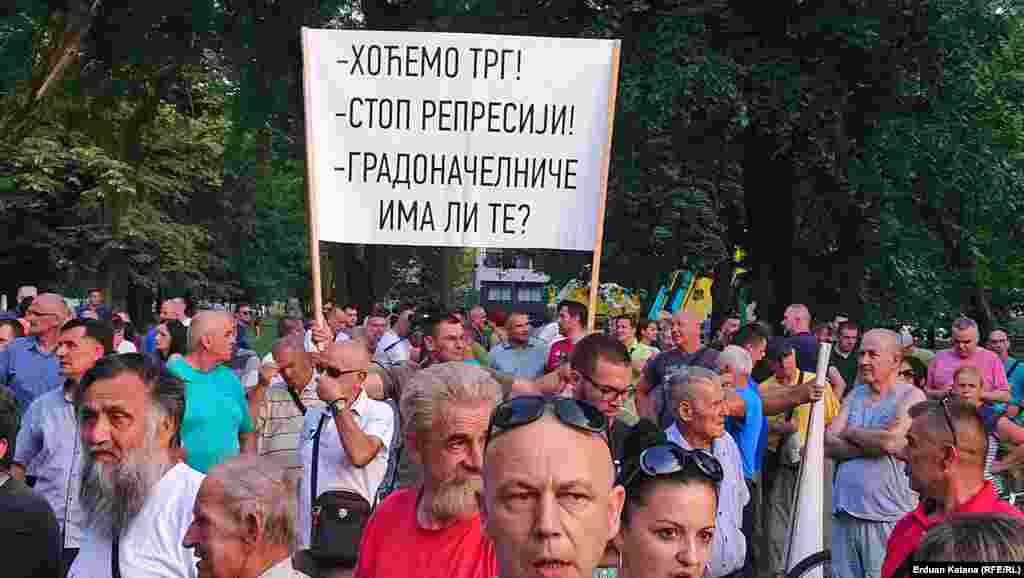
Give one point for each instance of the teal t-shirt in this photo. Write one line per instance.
(215, 413)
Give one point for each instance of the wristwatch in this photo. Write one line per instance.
(337, 405)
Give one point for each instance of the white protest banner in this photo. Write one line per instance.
(458, 140)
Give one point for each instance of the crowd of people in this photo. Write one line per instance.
(433, 443)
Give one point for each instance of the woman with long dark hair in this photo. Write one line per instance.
(171, 339)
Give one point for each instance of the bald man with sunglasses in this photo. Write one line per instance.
(355, 432)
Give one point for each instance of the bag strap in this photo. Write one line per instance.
(316, 460)
(296, 399)
(1013, 368)
(390, 347)
(115, 555)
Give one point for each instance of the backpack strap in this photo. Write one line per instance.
(316, 459)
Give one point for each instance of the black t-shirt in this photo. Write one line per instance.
(28, 527)
(662, 367)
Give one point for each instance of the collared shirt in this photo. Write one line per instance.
(729, 546)
(48, 448)
(279, 422)
(29, 371)
(334, 470)
(310, 347)
(283, 569)
(524, 361)
(392, 350)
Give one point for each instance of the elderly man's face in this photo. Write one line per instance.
(878, 363)
(44, 315)
(293, 367)
(113, 418)
(452, 457)
(706, 413)
(965, 342)
(218, 540)
(221, 341)
(549, 501)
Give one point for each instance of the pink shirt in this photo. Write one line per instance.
(940, 373)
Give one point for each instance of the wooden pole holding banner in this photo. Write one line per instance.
(806, 532)
(595, 267)
(312, 190)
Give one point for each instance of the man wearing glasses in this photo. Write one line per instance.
(602, 377)
(871, 490)
(243, 319)
(355, 432)
(29, 366)
(945, 452)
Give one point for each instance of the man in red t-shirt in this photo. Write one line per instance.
(433, 530)
(572, 323)
(945, 453)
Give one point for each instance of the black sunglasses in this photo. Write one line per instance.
(666, 459)
(944, 402)
(909, 374)
(334, 372)
(520, 411)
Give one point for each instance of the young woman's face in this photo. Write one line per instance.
(163, 339)
(671, 536)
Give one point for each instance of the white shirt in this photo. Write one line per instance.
(392, 350)
(127, 347)
(151, 545)
(341, 337)
(549, 333)
(335, 471)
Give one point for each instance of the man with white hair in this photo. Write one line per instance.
(433, 530)
(136, 494)
(965, 351)
(698, 401)
(218, 425)
(871, 489)
(746, 423)
(244, 521)
(29, 366)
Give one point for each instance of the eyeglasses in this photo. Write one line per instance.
(526, 409)
(944, 402)
(608, 392)
(335, 373)
(31, 313)
(666, 459)
(908, 374)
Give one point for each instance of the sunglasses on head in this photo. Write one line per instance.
(520, 411)
(666, 459)
(334, 372)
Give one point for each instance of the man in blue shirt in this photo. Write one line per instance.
(94, 308)
(521, 357)
(29, 366)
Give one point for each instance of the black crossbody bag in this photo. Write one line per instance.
(339, 517)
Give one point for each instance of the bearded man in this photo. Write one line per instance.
(136, 491)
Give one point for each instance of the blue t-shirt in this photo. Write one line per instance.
(1016, 379)
(215, 413)
(747, 430)
(762, 440)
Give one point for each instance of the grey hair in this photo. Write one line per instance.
(987, 537)
(452, 382)
(681, 384)
(257, 486)
(736, 357)
(166, 391)
(203, 324)
(964, 323)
